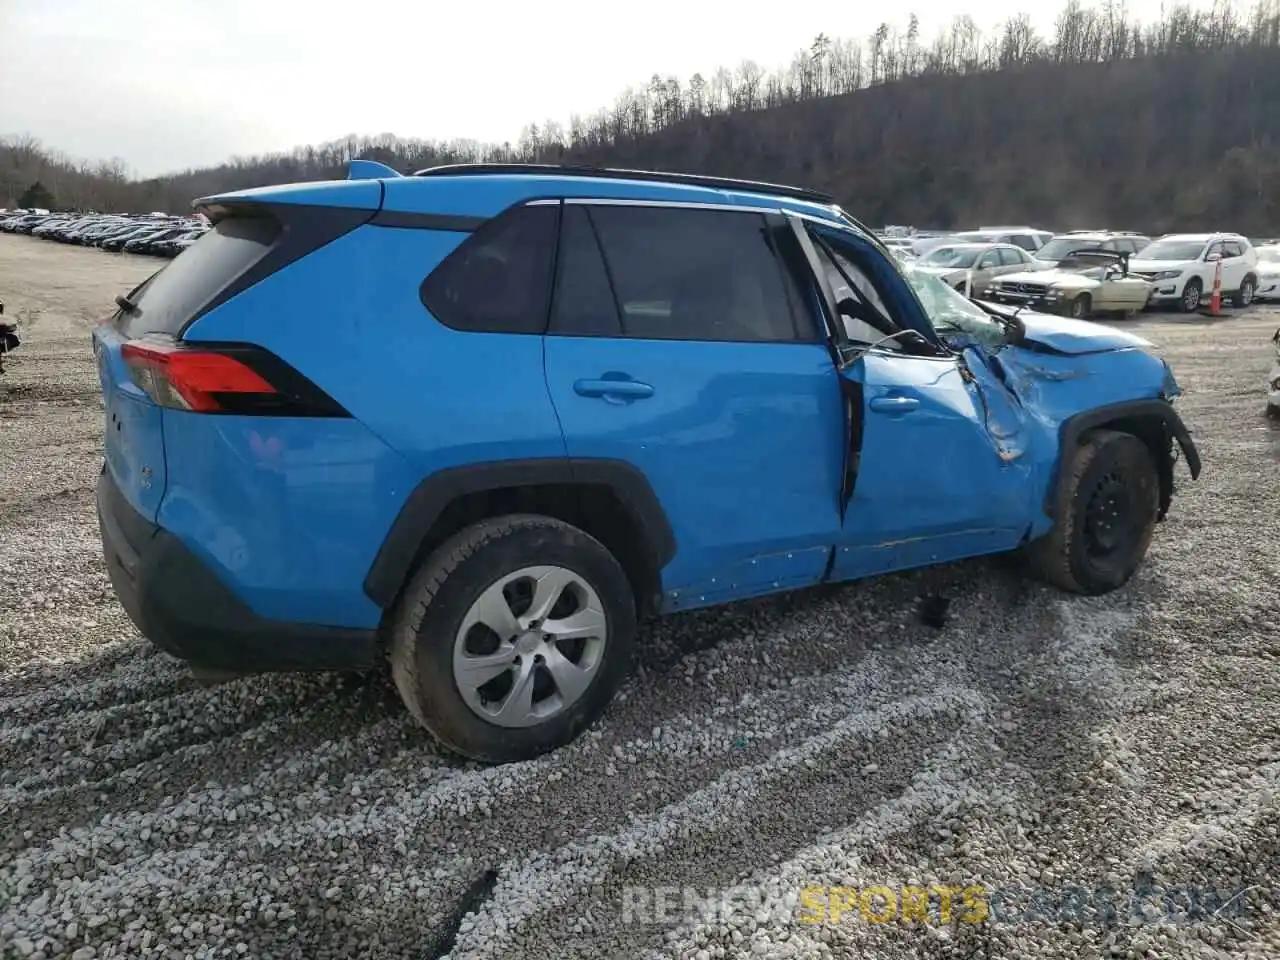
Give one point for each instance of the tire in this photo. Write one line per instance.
(1244, 296)
(427, 638)
(1191, 293)
(1081, 306)
(1079, 556)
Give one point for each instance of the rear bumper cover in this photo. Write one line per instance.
(181, 606)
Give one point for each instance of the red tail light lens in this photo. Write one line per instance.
(234, 379)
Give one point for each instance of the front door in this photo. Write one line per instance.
(941, 466)
(679, 344)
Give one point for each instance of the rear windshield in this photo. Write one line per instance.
(178, 291)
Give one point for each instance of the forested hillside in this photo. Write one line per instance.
(1106, 122)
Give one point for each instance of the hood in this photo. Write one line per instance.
(1064, 335)
(1058, 278)
(1156, 266)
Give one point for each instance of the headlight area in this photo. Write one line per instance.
(1169, 388)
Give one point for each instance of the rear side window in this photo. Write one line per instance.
(1232, 248)
(1024, 240)
(584, 302)
(177, 292)
(499, 279)
(684, 274)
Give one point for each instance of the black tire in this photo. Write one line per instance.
(1092, 550)
(442, 592)
(1244, 296)
(1191, 295)
(1081, 306)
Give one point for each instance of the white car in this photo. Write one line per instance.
(1182, 267)
(1268, 270)
(970, 267)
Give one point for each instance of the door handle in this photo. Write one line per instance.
(893, 404)
(610, 389)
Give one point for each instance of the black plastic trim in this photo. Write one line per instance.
(181, 606)
(304, 228)
(393, 564)
(614, 173)
(1160, 410)
(454, 223)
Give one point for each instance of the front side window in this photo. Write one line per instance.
(678, 274)
(1174, 250)
(848, 281)
(497, 280)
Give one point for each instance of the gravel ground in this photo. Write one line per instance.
(1034, 744)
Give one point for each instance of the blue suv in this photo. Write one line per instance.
(481, 420)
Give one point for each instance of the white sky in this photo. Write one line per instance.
(166, 84)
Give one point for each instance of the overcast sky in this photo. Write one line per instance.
(167, 84)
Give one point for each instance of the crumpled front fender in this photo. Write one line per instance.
(1153, 420)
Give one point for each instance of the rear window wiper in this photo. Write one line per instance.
(127, 305)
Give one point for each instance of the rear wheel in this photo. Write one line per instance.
(1106, 515)
(513, 637)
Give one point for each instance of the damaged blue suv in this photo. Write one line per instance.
(481, 420)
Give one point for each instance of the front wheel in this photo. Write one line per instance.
(1244, 296)
(1081, 306)
(1191, 296)
(513, 637)
(1106, 512)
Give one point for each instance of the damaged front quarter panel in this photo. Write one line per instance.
(1051, 390)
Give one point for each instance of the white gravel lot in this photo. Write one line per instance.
(1036, 743)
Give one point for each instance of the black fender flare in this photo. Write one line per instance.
(429, 499)
(1146, 411)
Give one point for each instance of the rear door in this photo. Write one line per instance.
(679, 343)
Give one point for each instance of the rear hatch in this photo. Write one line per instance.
(152, 378)
(130, 348)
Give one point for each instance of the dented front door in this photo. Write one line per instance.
(941, 470)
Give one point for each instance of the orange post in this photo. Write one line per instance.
(1215, 301)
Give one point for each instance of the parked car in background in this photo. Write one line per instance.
(109, 231)
(1182, 267)
(1028, 238)
(1064, 244)
(8, 337)
(1273, 379)
(1268, 272)
(1083, 284)
(961, 264)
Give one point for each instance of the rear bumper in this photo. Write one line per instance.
(178, 604)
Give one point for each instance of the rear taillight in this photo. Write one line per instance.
(228, 379)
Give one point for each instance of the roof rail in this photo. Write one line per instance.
(611, 173)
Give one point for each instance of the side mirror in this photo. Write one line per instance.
(1212, 257)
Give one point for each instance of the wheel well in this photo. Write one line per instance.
(592, 507)
(1155, 434)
